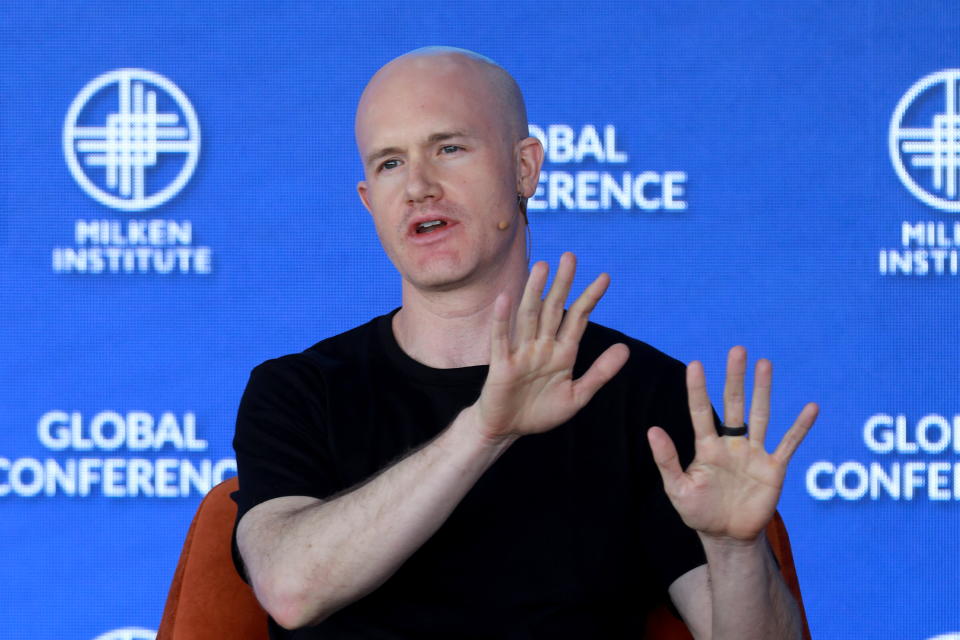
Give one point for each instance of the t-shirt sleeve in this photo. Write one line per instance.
(280, 439)
(673, 548)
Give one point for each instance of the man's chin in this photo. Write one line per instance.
(438, 278)
(437, 284)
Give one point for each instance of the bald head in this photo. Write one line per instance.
(442, 134)
(475, 77)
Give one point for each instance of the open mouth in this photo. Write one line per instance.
(430, 226)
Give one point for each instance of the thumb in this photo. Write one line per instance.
(665, 455)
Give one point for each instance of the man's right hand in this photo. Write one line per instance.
(530, 386)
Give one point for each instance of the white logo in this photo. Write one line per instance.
(925, 140)
(128, 633)
(947, 636)
(115, 123)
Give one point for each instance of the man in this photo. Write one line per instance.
(386, 486)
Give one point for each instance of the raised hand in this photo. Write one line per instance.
(731, 488)
(530, 386)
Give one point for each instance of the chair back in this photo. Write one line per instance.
(207, 599)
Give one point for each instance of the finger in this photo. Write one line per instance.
(552, 312)
(665, 455)
(500, 333)
(528, 314)
(795, 435)
(577, 316)
(701, 413)
(600, 372)
(733, 396)
(760, 401)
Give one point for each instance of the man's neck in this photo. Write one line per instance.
(452, 328)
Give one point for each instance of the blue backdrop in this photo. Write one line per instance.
(779, 175)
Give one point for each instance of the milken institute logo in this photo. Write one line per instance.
(124, 123)
(128, 633)
(924, 140)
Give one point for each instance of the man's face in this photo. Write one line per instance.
(441, 171)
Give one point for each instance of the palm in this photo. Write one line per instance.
(728, 492)
(530, 386)
(732, 486)
(533, 390)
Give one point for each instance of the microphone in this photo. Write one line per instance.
(503, 225)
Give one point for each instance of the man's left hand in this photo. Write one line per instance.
(731, 488)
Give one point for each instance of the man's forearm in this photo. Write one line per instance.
(749, 598)
(314, 560)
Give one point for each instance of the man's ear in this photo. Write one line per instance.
(529, 161)
(362, 192)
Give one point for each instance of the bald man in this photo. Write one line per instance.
(480, 463)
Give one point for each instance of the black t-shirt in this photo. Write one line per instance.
(568, 535)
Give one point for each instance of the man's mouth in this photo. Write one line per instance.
(430, 226)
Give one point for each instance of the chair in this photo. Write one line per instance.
(209, 601)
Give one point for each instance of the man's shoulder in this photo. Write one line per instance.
(651, 383)
(327, 357)
(644, 358)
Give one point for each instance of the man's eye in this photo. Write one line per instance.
(450, 148)
(390, 164)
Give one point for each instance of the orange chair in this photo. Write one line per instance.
(209, 601)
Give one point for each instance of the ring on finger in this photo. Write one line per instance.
(724, 430)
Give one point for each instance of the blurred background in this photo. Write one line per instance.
(178, 204)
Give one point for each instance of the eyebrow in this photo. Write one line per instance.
(433, 138)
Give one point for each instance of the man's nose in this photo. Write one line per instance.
(421, 182)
